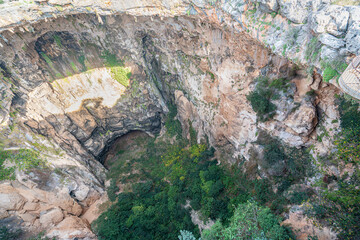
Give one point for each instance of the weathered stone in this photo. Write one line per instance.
(51, 217)
(70, 228)
(331, 41)
(295, 10)
(268, 5)
(332, 19)
(352, 38)
(3, 214)
(31, 206)
(28, 217)
(11, 201)
(81, 192)
(303, 120)
(328, 54)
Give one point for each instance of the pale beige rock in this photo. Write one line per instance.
(3, 214)
(11, 201)
(94, 210)
(28, 217)
(303, 120)
(31, 206)
(51, 217)
(304, 228)
(70, 228)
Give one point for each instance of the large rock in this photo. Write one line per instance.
(332, 19)
(295, 10)
(70, 228)
(11, 201)
(54, 216)
(353, 38)
(331, 41)
(303, 120)
(268, 5)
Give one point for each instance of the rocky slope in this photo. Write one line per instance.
(76, 75)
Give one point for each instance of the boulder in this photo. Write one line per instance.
(332, 19)
(331, 41)
(295, 10)
(11, 201)
(328, 54)
(268, 5)
(51, 217)
(81, 192)
(28, 217)
(303, 120)
(352, 38)
(3, 214)
(31, 206)
(70, 228)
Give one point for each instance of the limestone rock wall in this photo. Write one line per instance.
(63, 65)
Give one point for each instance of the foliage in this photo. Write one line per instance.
(111, 60)
(173, 126)
(250, 221)
(343, 208)
(112, 190)
(260, 100)
(153, 207)
(186, 235)
(121, 75)
(329, 73)
(333, 69)
(22, 159)
(312, 51)
(296, 162)
(8, 234)
(340, 207)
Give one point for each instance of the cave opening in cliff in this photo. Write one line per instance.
(131, 119)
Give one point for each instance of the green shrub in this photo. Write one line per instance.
(265, 91)
(261, 104)
(112, 190)
(312, 51)
(329, 73)
(173, 126)
(250, 221)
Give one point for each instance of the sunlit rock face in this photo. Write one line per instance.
(81, 80)
(67, 88)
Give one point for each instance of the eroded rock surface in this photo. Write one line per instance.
(63, 78)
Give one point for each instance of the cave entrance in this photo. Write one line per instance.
(132, 143)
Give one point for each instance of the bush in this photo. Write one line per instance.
(112, 190)
(329, 73)
(8, 234)
(250, 221)
(173, 125)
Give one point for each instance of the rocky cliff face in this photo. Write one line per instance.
(83, 73)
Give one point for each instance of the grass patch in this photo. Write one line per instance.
(23, 159)
(312, 51)
(121, 75)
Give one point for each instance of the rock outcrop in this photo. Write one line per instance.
(76, 75)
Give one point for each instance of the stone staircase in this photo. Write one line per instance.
(349, 81)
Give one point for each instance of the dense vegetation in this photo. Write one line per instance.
(264, 92)
(341, 207)
(168, 180)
